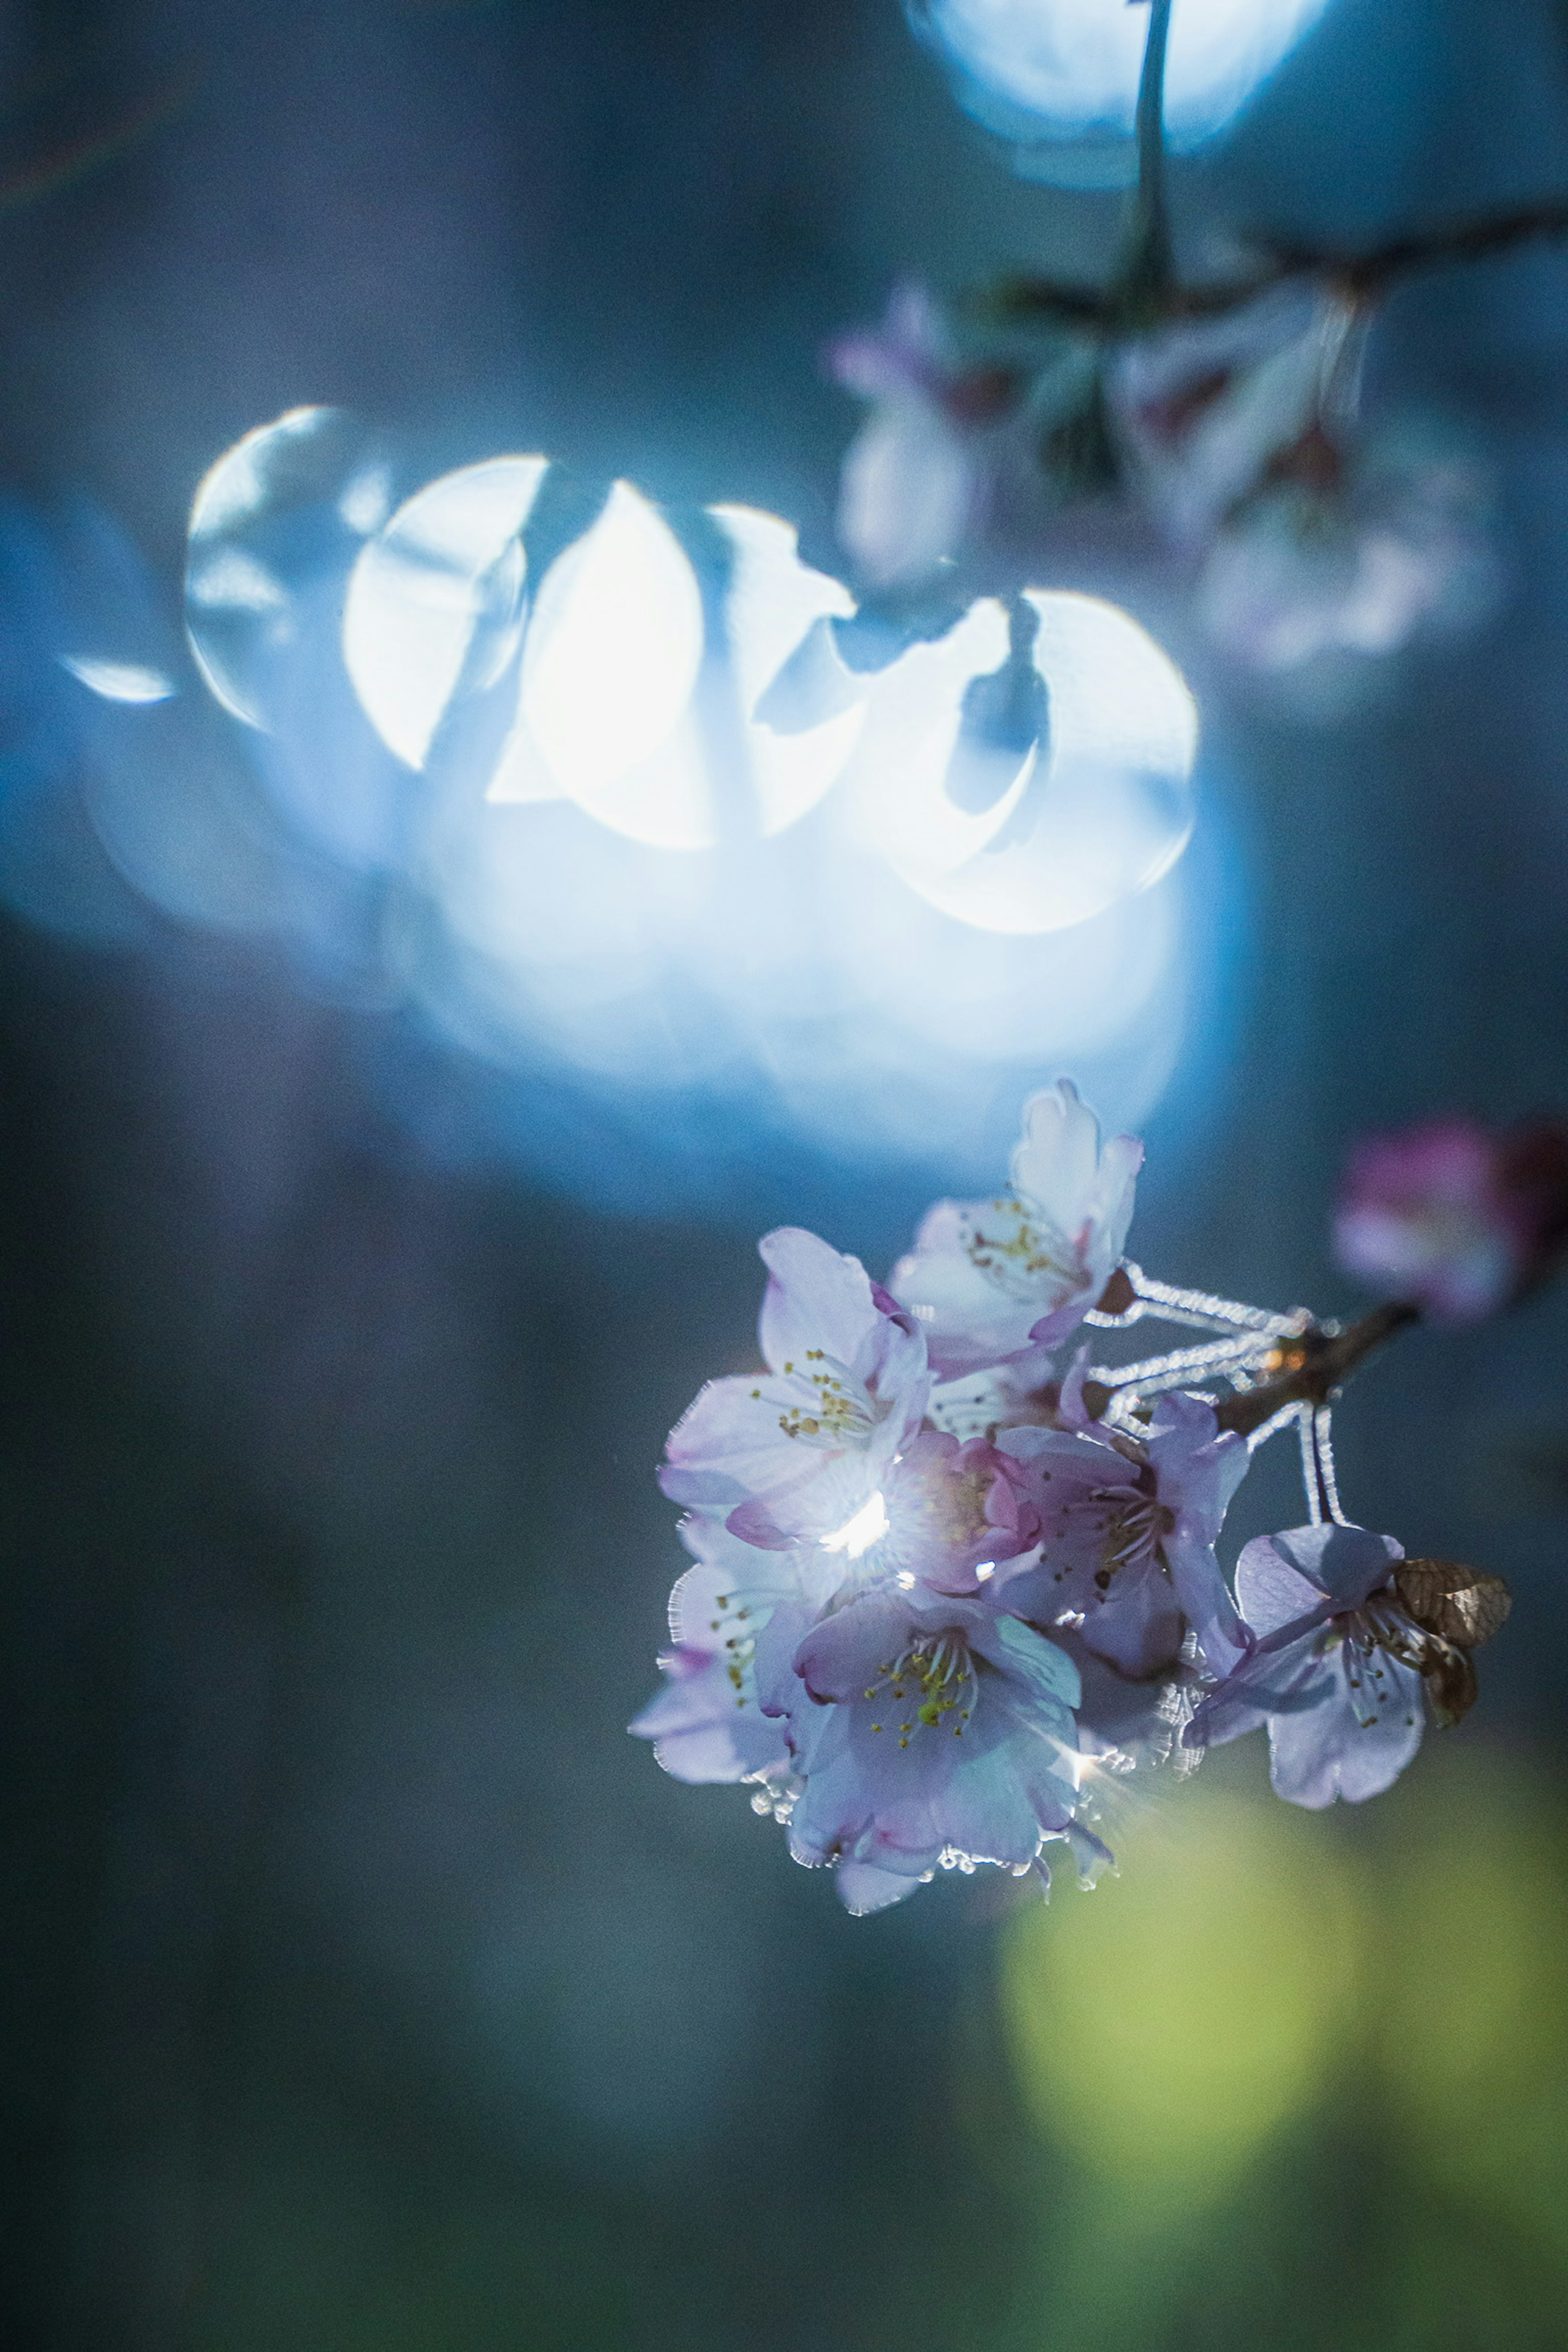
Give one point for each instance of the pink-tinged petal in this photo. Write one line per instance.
(893, 1364)
(700, 1603)
(968, 1322)
(1119, 1715)
(1306, 570)
(754, 1524)
(1426, 1214)
(1042, 1671)
(1071, 1410)
(1271, 1591)
(780, 1690)
(905, 353)
(1058, 1166)
(727, 1446)
(1200, 1589)
(910, 490)
(1115, 1193)
(1199, 1466)
(895, 1776)
(888, 1305)
(1062, 1321)
(1205, 407)
(952, 1510)
(868, 1800)
(816, 1297)
(1354, 1746)
(987, 1280)
(1290, 1679)
(986, 1811)
(1138, 1628)
(1056, 1161)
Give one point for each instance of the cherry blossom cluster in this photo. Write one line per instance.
(953, 1580)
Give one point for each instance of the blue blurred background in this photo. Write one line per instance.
(364, 1986)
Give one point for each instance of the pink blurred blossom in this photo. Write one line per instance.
(1460, 1218)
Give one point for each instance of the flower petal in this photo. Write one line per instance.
(1347, 1563)
(863, 1888)
(1346, 1750)
(816, 1297)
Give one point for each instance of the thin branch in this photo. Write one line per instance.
(1366, 273)
(1312, 1367)
(1106, 308)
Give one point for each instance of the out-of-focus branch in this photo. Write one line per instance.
(1148, 268)
(1123, 304)
(1367, 273)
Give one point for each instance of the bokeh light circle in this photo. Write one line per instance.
(1168, 2026)
(275, 524)
(1098, 811)
(435, 600)
(1065, 72)
(655, 832)
(613, 646)
(772, 600)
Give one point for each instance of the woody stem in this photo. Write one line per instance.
(1314, 1366)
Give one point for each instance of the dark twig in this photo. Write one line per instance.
(1367, 273)
(1312, 1367)
(1118, 306)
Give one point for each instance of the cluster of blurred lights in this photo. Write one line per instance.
(514, 637)
(531, 716)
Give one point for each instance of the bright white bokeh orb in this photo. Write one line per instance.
(771, 601)
(611, 654)
(830, 928)
(1070, 66)
(1097, 814)
(435, 600)
(614, 711)
(802, 973)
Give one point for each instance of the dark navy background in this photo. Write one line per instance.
(363, 1985)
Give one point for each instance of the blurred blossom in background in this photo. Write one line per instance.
(468, 864)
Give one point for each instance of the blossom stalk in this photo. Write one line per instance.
(1314, 1366)
(1145, 274)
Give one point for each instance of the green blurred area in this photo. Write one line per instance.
(1304, 2078)
(1286, 2080)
